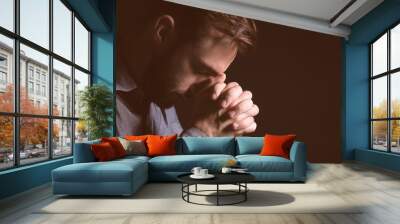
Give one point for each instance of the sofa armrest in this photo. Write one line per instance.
(83, 152)
(298, 155)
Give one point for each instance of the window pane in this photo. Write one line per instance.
(34, 97)
(35, 21)
(62, 89)
(395, 136)
(379, 55)
(379, 97)
(395, 47)
(7, 14)
(33, 140)
(6, 142)
(81, 81)
(81, 131)
(395, 94)
(379, 135)
(6, 74)
(62, 29)
(81, 45)
(62, 138)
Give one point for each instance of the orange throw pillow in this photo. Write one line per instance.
(103, 152)
(161, 145)
(277, 145)
(116, 145)
(136, 137)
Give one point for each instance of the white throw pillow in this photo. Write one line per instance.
(134, 147)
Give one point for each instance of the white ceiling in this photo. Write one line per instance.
(318, 9)
(323, 10)
(314, 15)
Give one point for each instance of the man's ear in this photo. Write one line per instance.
(163, 29)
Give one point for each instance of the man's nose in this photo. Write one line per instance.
(219, 78)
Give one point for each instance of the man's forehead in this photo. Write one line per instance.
(208, 65)
(216, 53)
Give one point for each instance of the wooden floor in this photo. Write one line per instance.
(354, 182)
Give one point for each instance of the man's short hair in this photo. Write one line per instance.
(242, 31)
(193, 22)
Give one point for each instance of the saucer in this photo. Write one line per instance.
(208, 176)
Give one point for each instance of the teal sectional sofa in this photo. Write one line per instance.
(125, 176)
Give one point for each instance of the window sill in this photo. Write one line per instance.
(26, 167)
(390, 161)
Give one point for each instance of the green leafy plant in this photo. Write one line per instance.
(96, 103)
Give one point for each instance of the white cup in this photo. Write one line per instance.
(203, 172)
(226, 170)
(196, 171)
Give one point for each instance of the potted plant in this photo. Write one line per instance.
(96, 103)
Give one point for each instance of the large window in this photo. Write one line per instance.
(385, 91)
(44, 64)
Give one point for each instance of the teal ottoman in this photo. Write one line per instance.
(118, 177)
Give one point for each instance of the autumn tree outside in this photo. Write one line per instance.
(33, 131)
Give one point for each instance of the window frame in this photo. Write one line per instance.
(388, 74)
(16, 115)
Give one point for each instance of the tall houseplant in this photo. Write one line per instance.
(96, 103)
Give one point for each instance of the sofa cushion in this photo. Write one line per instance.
(136, 137)
(206, 145)
(134, 147)
(249, 145)
(185, 163)
(116, 145)
(83, 152)
(133, 158)
(277, 145)
(103, 152)
(161, 145)
(112, 171)
(257, 163)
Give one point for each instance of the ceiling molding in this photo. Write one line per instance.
(361, 11)
(269, 15)
(356, 5)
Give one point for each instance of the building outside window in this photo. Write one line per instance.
(3, 72)
(37, 74)
(385, 91)
(44, 77)
(55, 97)
(3, 78)
(43, 90)
(38, 89)
(30, 72)
(57, 125)
(3, 60)
(30, 87)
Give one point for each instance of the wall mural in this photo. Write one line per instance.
(176, 83)
(194, 72)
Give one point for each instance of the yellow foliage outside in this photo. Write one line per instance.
(380, 127)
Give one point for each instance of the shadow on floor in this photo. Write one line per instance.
(255, 198)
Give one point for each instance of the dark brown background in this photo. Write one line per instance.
(295, 78)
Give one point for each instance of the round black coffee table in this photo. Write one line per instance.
(238, 179)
